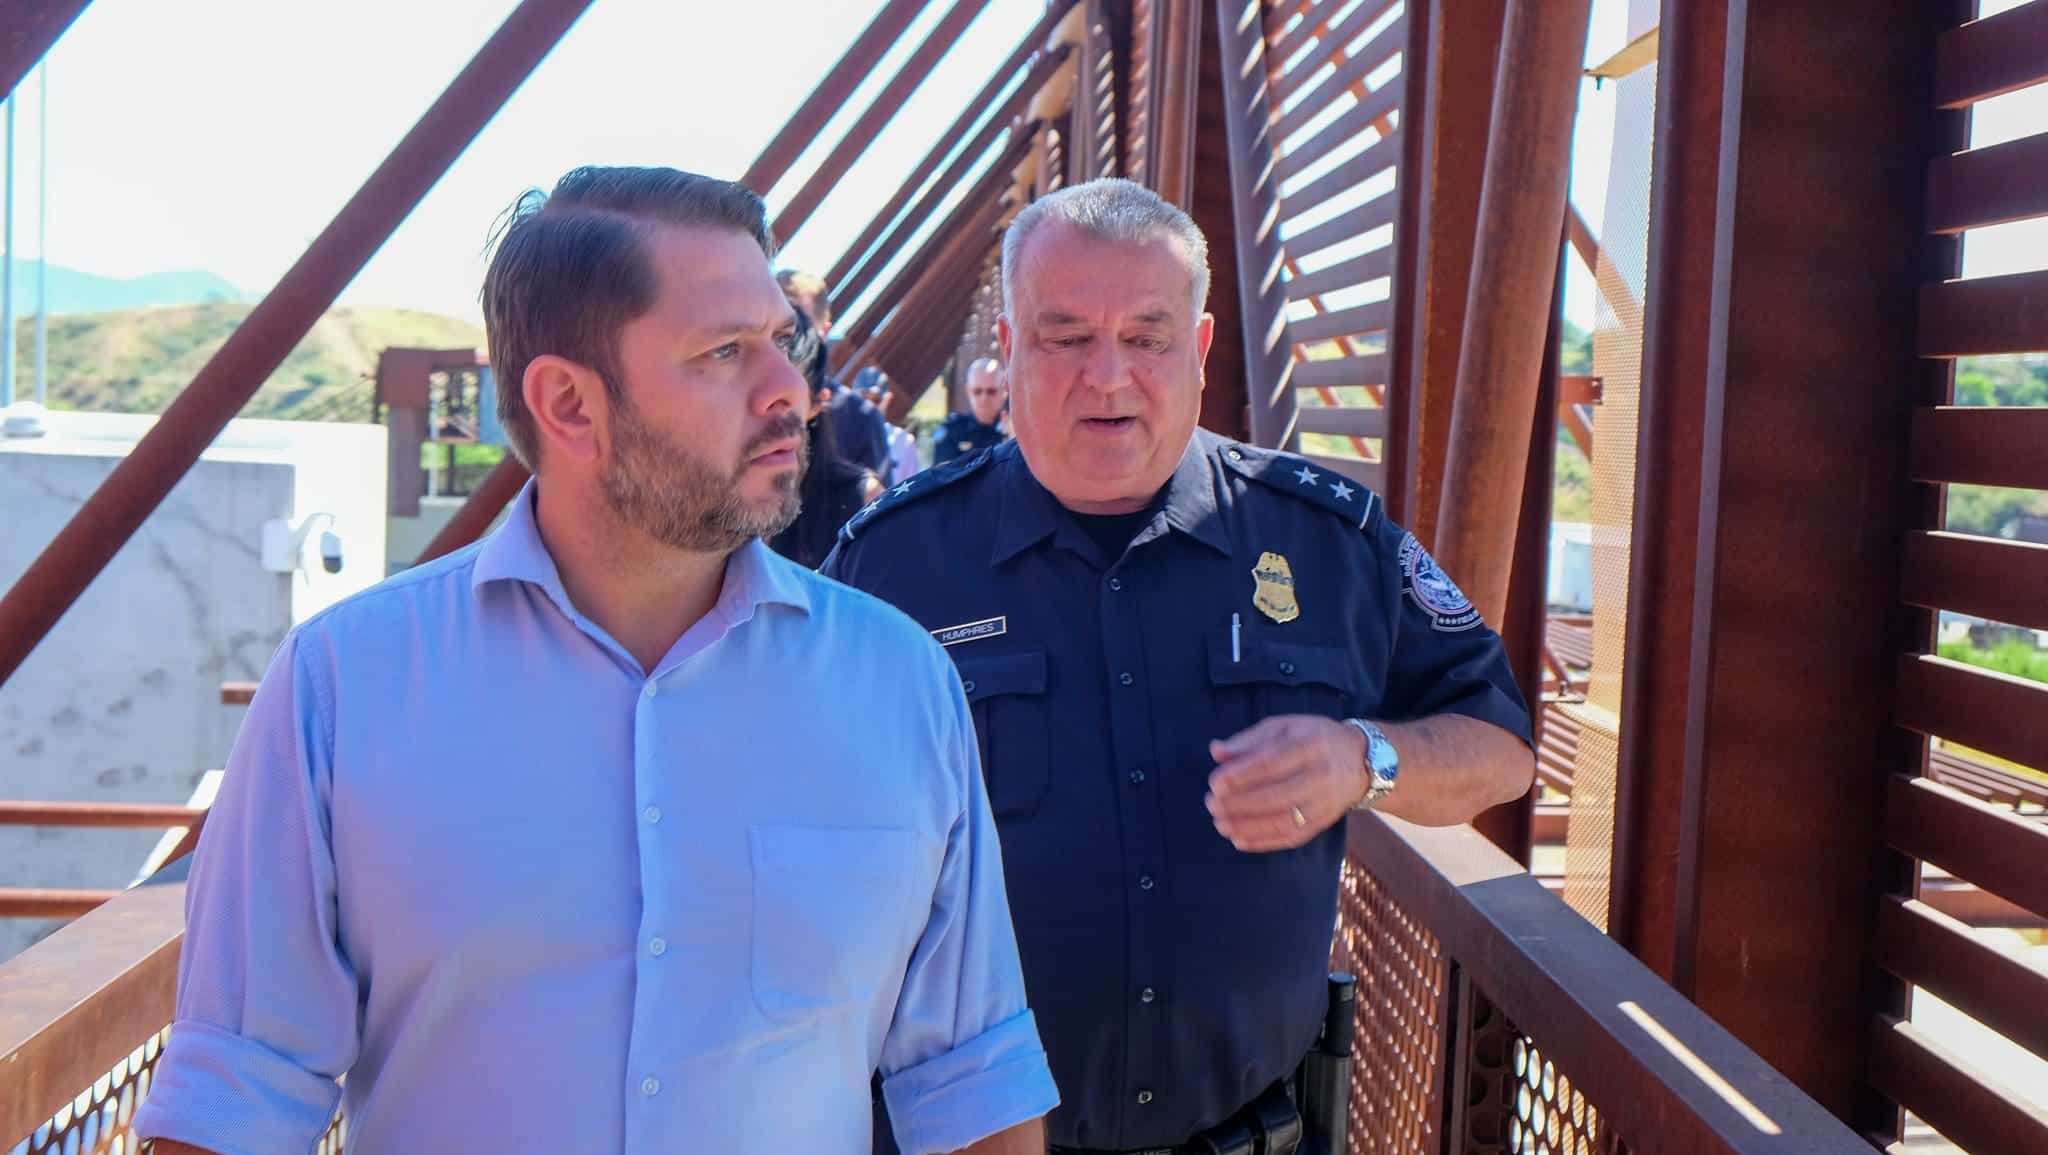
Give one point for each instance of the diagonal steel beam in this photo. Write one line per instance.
(124, 501)
(30, 28)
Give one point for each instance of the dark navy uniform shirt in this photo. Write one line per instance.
(1174, 978)
(961, 435)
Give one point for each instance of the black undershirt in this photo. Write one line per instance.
(1113, 532)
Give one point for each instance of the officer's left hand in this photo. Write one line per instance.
(1285, 780)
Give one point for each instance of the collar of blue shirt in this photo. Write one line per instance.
(1030, 513)
(754, 574)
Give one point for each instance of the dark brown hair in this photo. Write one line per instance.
(568, 270)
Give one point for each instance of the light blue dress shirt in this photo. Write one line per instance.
(528, 898)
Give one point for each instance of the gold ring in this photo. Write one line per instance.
(1300, 819)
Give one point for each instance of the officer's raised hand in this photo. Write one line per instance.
(1286, 780)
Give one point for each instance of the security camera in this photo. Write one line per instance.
(330, 551)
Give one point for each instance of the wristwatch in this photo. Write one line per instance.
(1382, 763)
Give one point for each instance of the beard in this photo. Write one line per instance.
(681, 500)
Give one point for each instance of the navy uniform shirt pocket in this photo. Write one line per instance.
(1261, 678)
(837, 913)
(1006, 693)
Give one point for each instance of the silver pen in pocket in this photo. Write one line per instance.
(1234, 625)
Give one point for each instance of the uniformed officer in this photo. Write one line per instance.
(1188, 660)
(964, 434)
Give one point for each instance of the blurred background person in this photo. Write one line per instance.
(966, 434)
(874, 387)
(832, 488)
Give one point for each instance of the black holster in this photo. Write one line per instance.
(1325, 1076)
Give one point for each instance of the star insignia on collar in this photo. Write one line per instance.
(1306, 476)
(900, 490)
(1342, 490)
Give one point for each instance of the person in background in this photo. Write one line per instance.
(875, 388)
(1190, 660)
(964, 434)
(665, 886)
(858, 426)
(833, 489)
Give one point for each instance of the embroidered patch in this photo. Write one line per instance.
(973, 631)
(1448, 608)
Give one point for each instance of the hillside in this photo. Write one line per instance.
(136, 360)
(75, 291)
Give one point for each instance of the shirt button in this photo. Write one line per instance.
(1116, 585)
(1287, 668)
(650, 1086)
(1144, 882)
(648, 691)
(1125, 678)
(1137, 777)
(967, 686)
(657, 947)
(1146, 995)
(652, 814)
(1144, 1097)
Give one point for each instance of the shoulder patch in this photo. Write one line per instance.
(919, 486)
(1431, 589)
(1305, 481)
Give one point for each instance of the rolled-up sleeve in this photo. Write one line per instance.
(267, 1003)
(962, 1060)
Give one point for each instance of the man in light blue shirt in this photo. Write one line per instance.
(567, 841)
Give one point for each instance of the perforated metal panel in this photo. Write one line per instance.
(1396, 1099)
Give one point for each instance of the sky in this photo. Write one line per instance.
(223, 134)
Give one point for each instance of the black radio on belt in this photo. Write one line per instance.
(1325, 1078)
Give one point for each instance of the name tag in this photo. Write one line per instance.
(972, 631)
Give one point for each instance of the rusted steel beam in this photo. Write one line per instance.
(876, 117)
(862, 263)
(1027, 49)
(76, 1003)
(1810, 393)
(1262, 292)
(1447, 161)
(31, 27)
(137, 815)
(237, 693)
(479, 509)
(1642, 911)
(831, 94)
(255, 349)
(1521, 218)
(19, 902)
(1404, 335)
(1171, 144)
(1213, 205)
(929, 320)
(959, 246)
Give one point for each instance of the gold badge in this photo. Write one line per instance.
(1273, 592)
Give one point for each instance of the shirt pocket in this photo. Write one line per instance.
(1266, 678)
(837, 913)
(1006, 693)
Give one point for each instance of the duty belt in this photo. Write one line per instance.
(1270, 1125)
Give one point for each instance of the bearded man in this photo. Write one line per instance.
(530, 843)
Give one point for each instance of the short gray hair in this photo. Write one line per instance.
(1112, 209)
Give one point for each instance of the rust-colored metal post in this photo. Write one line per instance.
(1642, 906)
(876, 117)
(831, 94)
(479, 510)
(1262, 293)
(1444, 165)
(26, 35)
(137, 485)
(1171, 146)
(1521, 217)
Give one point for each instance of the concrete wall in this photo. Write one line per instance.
(121, 703)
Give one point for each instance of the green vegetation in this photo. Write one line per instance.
(1997, 381)
(137, 360)
(1573, 484)
(1575, 351)
(2014, 657)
